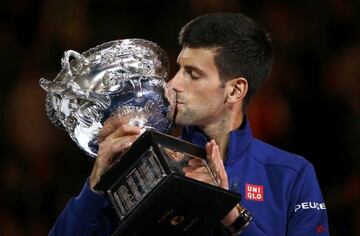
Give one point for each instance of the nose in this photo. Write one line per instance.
(176, 82)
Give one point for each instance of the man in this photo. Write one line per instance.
(224, 59)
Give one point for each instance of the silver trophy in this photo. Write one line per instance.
(122, 79)
(125, 80)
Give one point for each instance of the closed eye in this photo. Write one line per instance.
(193, 74)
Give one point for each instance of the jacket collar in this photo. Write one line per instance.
(239, 139)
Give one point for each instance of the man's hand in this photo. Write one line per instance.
(114, 139)
(197, 170)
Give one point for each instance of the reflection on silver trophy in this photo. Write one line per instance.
(122, 79)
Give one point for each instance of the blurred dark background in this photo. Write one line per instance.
(310, 105)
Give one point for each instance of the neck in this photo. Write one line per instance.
(219, 131)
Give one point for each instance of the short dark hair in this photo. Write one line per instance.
(243, 47)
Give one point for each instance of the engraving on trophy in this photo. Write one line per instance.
(139, 182)
(167, 213)
(191, 224)
(177, 220)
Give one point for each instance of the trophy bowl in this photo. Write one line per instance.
(125, 79)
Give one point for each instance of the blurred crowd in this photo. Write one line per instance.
(310, 104)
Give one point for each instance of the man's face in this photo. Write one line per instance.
(200, 95)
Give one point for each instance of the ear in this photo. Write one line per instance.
(237, 89)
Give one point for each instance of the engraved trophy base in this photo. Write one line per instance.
(152, 196)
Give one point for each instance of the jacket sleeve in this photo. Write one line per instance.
(81, 215)
(307, 211)
(253, 229)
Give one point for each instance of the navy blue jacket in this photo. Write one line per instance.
(279, 189)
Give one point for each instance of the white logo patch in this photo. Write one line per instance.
(310, 205)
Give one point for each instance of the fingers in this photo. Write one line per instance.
(197, 169)
(110, 149)
(123, 130)
(216, 164)
(116, 128)
(112, 145)
(110, 125)
(116, 143)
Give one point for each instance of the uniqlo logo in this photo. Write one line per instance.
(254, 192)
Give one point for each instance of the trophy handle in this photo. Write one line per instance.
(80, 62)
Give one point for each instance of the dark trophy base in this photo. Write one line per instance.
(152, 196)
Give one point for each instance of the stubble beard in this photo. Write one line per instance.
(184, 118)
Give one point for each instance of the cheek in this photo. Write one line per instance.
(208, 101)
(203, 92)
